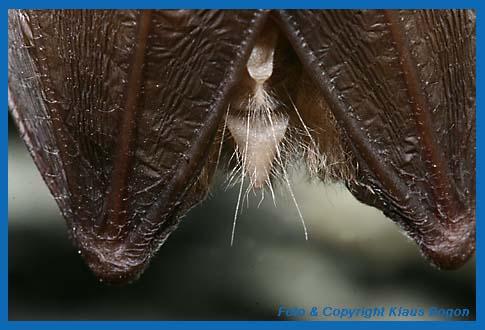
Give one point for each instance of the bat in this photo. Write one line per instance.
(128, 114)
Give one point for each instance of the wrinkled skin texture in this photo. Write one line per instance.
(120, 110)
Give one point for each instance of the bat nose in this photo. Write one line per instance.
(260, 62)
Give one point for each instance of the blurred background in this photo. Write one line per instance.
(354, 258)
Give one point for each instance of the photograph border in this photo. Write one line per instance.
(212, 4)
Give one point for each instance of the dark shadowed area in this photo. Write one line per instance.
(354, 258)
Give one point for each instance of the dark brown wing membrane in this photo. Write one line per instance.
(119, 109)
(401, 84)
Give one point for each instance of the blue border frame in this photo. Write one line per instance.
(411, 4)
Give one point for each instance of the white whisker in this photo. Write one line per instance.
(285, 174)
(262, 198)
(222, 137)
(242, 183)
(270, 186)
